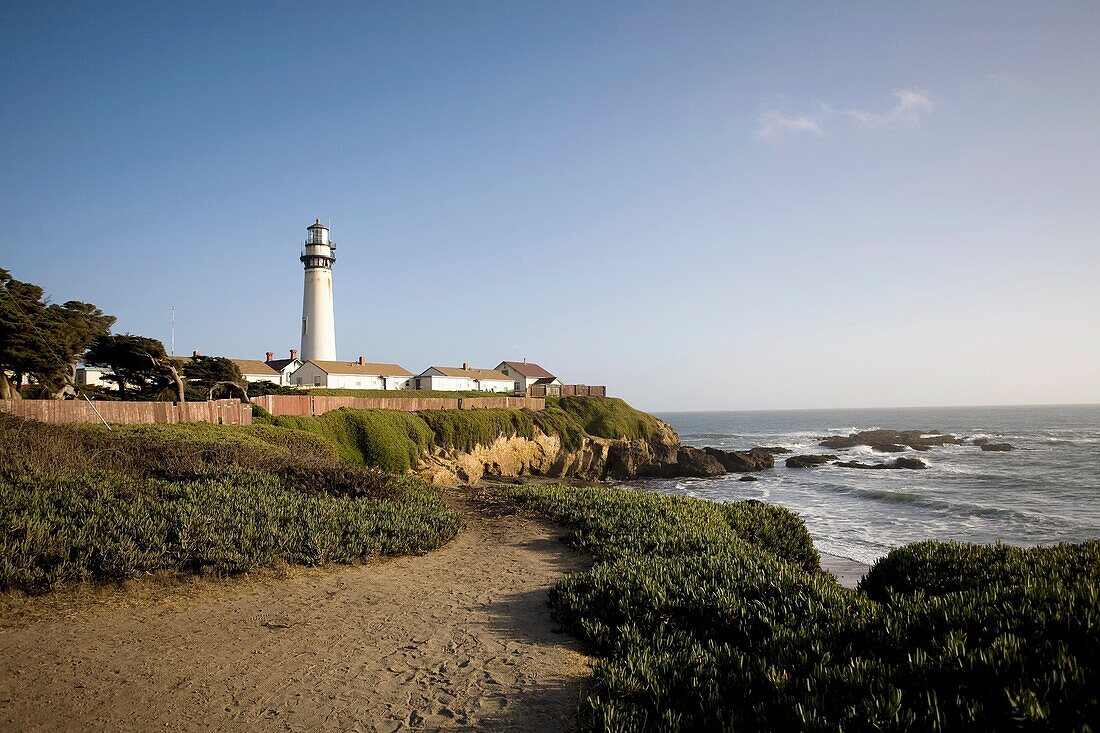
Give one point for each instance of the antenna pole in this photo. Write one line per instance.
(173, 330)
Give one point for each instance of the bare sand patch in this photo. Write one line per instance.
(460, 638)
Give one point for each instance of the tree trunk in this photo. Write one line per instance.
(232, 388)
(181, 391)
(68, 386)
(8, 390)
(181, 395)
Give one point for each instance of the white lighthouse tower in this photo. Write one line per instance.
(318, 323)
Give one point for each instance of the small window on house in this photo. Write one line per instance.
(317, 381)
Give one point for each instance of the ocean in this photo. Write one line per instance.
(1046, 491)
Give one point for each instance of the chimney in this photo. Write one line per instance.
(195, 353)
(270, 356)
(293, 353)
(362, 361)
(465, 365)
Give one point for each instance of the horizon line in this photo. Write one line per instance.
(889, 407)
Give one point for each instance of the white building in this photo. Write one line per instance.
(525, 374)
(359, 374)
(90, 376)
(318, 322)
(254, 370)
(456, 379)
(285, 367)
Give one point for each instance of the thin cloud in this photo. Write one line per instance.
(910, 109)
(912, 104)
(774, 125)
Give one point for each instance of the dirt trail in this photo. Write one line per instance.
(460, 638)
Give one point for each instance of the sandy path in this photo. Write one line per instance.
(460, 638)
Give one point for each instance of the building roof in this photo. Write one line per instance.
(354, 367)
(279, 364)
(528, 369)
(472, 373)
(254, 366)
(317, 225)
(545, 380)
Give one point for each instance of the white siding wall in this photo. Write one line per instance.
(494, 385)
(464, 384)
(273, 378)
(305, 375)
(92, 377)
(284, 375)
(398, 383)
(355, 381)
(449, 384)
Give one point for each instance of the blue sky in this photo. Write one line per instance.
(701, 205)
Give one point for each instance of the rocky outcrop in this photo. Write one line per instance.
(736, 461)
(901, 462)
(694, 463)
(890, 441)
(774, 449)
(998, 447)
(595, 459)
(809, 461)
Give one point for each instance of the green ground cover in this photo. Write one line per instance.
(607, 417)
(395, 440)
(78, 502)
(712, 617)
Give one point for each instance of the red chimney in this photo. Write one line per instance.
(465, 365)
(195, 353)
(362, 361)
(270, 356)
(293, 353)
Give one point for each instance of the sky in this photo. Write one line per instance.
(701, 205)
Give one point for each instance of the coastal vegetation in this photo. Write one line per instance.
(396, 441)
(607, 417)
(79, 502)
(713, 617)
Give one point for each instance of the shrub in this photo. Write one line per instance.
(939, 568)
(79, 502)
(711, 617)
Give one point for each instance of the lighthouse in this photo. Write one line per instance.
(318, 323)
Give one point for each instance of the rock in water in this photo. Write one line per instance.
(901, 462)
(857, 464)
(737, 461)
(998, 446)
(808, 461)
(773, 449)
(695, 463)
(890, 441)
(747, 478)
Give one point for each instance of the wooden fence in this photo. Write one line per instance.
(566, 390)
(216, 412)
(310, 405)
